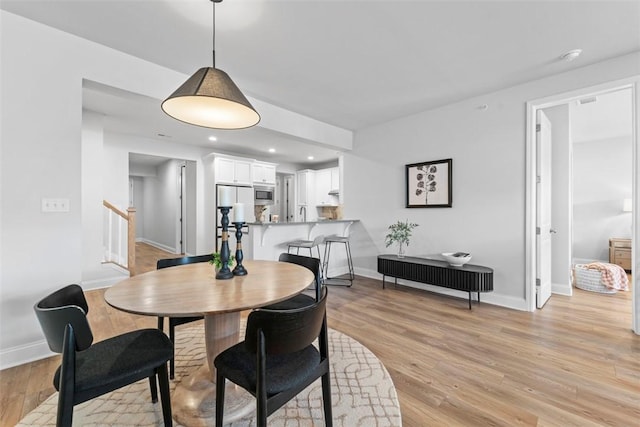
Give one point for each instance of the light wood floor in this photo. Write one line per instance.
(574, 363)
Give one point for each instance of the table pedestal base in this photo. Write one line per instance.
(194, 399)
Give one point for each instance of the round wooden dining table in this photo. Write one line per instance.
(193, 290)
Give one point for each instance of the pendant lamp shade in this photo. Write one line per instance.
(211, 99)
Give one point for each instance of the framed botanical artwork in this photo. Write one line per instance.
(429, 184)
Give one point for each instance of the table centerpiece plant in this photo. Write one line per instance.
(399, 233)
(217, 262)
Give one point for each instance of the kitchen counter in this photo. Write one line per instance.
(268, 240)
(320, 221)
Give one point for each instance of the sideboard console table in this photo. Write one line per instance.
(468, 278)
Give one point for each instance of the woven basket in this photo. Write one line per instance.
(590, 280)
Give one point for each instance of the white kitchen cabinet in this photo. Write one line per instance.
(264, 173)
(233, 171)
(327, 180)
(322, 187)
(305, 186)
(335, 179)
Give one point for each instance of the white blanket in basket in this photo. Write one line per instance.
(613, 276)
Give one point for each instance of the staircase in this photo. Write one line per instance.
(120, 237)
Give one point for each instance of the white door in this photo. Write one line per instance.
(288, 199)
(543, 214)
(182, 195)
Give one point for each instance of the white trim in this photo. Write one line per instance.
(632, 83)
(89, 285)
(26, 353)
(562, 289)
(159, 245)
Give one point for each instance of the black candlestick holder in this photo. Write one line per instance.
(224, 272)
(239, 269)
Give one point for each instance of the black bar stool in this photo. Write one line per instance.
(337, 281)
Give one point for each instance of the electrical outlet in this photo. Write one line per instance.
(55, 205)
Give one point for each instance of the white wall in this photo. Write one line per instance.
(41, 151)
(602, 179)
(488, 150)
(160, 201)
(191, 197)
(561, 207)
(41, 134)
(92, 190)
(138, 203)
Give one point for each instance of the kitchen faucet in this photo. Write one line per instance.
(303, 212)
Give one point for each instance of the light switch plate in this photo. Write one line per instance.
(55, 205)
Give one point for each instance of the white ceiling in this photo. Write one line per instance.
(350, 63)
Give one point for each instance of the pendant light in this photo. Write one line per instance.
(211, 99)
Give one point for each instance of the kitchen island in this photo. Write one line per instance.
(266, 241)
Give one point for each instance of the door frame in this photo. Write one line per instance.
(543, 209)
(532, 106)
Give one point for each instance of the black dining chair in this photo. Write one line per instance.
(176, 321)
(89, 369)
(302, 299)
(277, 359)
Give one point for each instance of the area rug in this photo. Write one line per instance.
(363, 393)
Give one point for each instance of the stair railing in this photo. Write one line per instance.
(120, 226)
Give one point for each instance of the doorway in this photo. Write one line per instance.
(285, 196)
(532, 257)
(163, 191)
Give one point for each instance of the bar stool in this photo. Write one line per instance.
(307, 244)
(337, 281)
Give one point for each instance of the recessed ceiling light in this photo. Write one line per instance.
(310, 158)
(272, 150)
(213, 138)
(571, 55)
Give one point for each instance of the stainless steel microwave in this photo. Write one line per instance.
(264, 195)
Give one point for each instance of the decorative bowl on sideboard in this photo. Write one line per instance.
(456, 259)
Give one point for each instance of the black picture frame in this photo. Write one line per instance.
(429, 184)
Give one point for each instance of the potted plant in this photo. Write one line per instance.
(217, 262)
(399, 233)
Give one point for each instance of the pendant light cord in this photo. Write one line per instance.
(213, 39)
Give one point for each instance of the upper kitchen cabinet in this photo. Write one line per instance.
(305, 187)
(335, 180)
(233, 171)
(327, 186)
(264, 173)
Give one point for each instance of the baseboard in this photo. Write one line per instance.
(490, 298)
(26, 353)
(106, 282)
(159, 245)
(561, 289)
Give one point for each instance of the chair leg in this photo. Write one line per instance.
(261, 382)
(327, 256)
(172, 361)
(165, 396)
(65, 410)
(66, 392)
(350, 262)
(220, 382)
(65, 413)
(153, 386)
(326, 399)
(337, 281)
